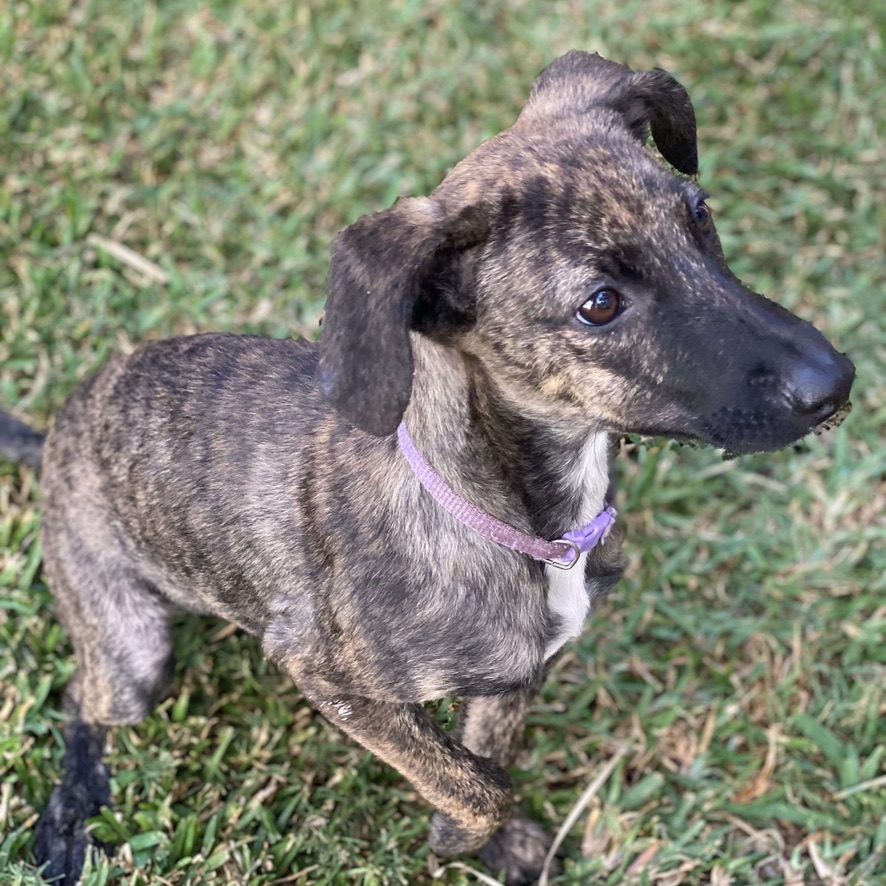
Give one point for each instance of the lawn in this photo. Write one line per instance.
(736, 677)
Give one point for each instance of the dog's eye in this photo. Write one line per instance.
(702, 214)
(601, 308)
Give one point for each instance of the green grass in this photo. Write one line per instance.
(742, 662)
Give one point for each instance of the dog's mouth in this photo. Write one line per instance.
(745, 438)
(832, 422)
(829, 424)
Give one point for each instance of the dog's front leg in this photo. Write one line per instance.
(471, 793)
(492, 727)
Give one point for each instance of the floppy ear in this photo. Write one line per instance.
(579, 81)
(391, 272)
(656, 99)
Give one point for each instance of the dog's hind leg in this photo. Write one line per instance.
(62, 840)
(120, 631)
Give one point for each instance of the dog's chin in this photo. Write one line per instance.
(742, 441)
(746, 437)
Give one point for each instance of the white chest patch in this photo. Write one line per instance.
(568, 599)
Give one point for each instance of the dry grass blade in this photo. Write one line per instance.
(459, 866)
(861, 787)
(580, 805)
(130, 258)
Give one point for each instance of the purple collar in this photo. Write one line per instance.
(563, 553)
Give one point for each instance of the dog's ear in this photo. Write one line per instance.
(391, 272)
(579, 81)
(655, 99)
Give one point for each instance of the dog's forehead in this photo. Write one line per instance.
(567, 201)
(570, 170)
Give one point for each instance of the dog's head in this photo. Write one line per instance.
(581, 275)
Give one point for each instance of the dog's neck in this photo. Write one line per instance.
(537, 475)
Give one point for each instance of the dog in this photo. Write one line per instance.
(367, 505)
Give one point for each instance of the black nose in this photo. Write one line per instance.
(819, 386)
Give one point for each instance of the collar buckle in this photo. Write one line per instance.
(574, 550)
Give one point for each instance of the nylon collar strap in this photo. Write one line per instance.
(562, 553)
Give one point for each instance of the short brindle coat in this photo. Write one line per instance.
(561, 285)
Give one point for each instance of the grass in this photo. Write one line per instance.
(741, 665)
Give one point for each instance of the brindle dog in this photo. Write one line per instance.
(561, 285)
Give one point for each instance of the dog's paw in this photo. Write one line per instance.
(63, 841)
(518, 850)
(448, 838)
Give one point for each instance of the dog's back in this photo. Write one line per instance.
(188, 452)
